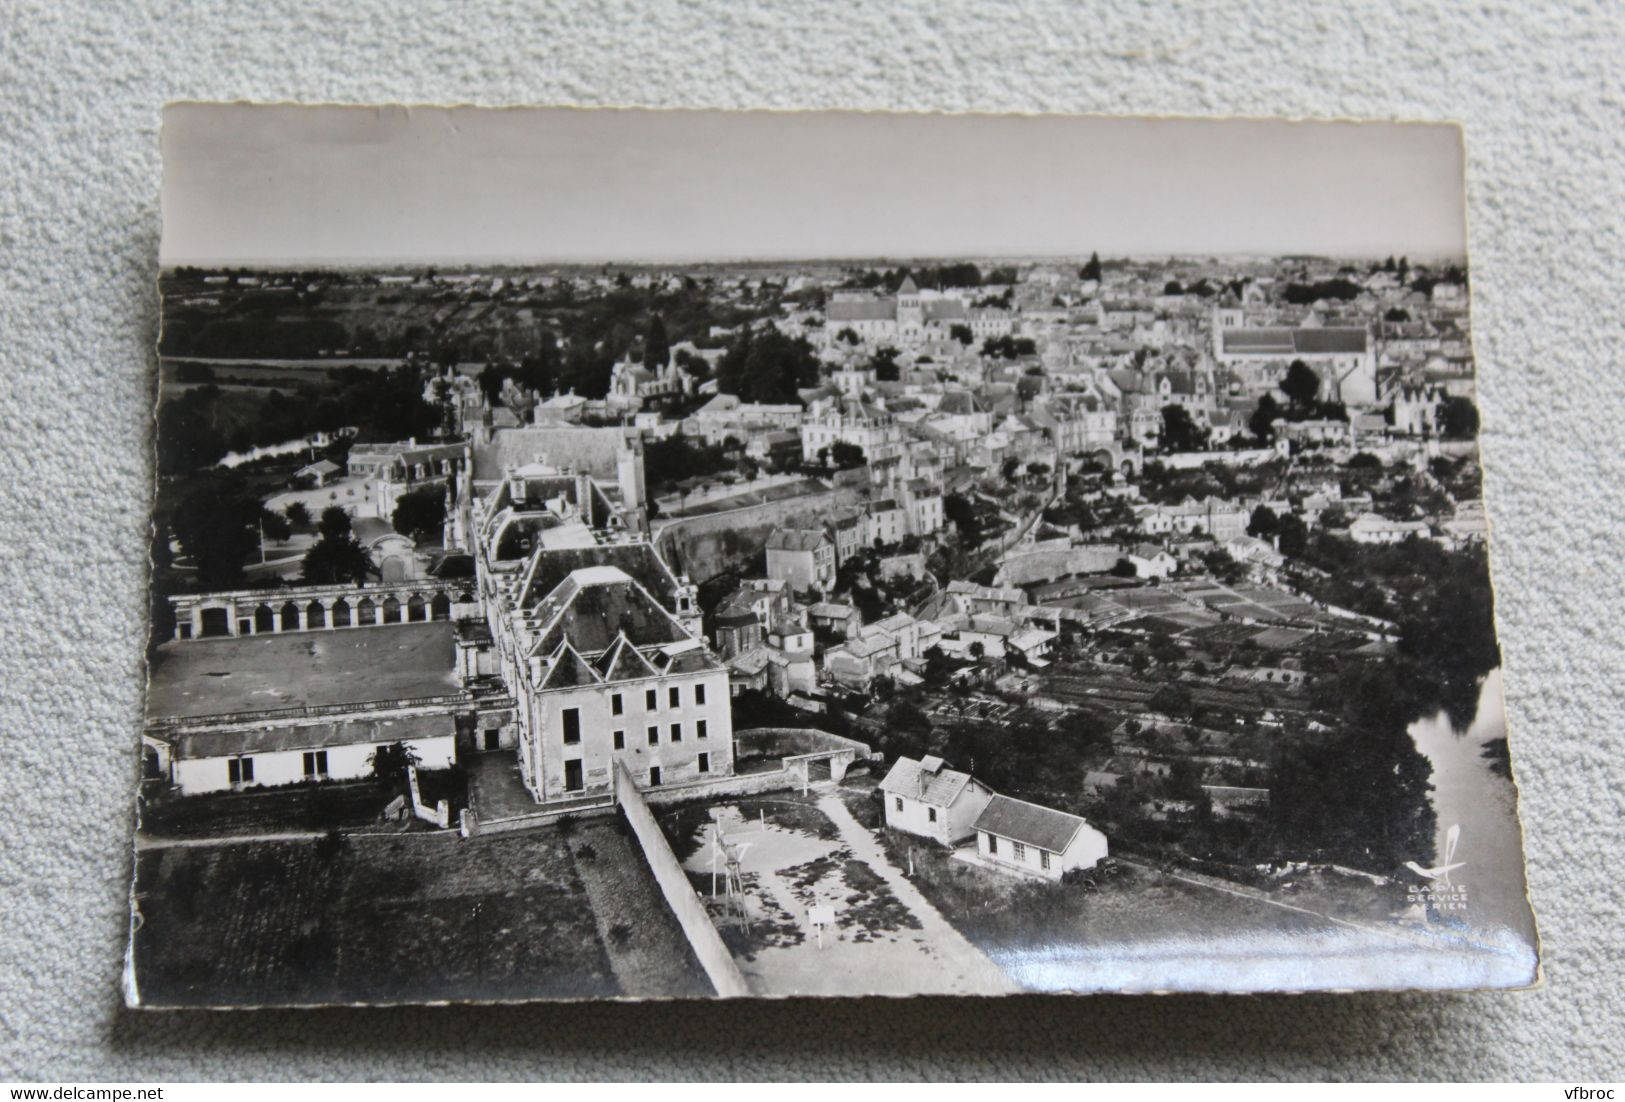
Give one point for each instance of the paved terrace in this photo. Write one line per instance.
(306, 669)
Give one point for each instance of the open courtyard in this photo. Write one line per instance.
(801, 856)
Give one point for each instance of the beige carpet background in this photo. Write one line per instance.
(1540, 92)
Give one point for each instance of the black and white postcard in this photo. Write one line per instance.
(649, 554)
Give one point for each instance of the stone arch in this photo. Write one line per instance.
(341, 613)
(315, 615)
(440, 607)
(392, 609)
(366, 612)
(417, 609)
(289, 617)
(215, 621)
(393, 569)
(264, 620)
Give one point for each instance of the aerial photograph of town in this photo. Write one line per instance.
(940, 622)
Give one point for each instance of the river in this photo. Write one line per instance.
(287, 447)
(1478, 828)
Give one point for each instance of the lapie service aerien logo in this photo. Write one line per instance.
(1440, 892)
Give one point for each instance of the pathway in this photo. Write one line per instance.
(977, 974)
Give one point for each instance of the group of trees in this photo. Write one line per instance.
(199, 425)
(675, 459)
(1009, 347)
(1289, 531)
(937, 276)
(767, 366)
(336, 556)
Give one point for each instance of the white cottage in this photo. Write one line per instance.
(925, 798)
(1024, 837)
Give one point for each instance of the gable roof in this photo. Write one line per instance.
(1030, 824)
(937, 786)
(595, 605)
(862, 310)
(795, 539)
(1286, 342)
(638, 561)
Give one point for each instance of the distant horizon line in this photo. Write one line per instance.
(870, 260)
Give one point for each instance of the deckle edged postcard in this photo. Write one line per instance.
(622, 553)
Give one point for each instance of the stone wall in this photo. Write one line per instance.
(703, 547)
(685, 904)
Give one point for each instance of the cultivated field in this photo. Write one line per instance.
(405, 918)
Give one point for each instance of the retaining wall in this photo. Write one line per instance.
(691, 914)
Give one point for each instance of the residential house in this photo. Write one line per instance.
(928, 799)
(1023, 837)
(802, 557)
(1374, 528)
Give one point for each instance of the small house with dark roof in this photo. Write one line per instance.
(1017, 836)
(927, 798)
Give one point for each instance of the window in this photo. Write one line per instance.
(616, 704)
(315, 763)
(651, 700)
(493, 738)
(620, 740)
(573, 780)
(699, 694)
(1043, 859)
(654, 736)
(1018, 851)
(240, 770)
(931, 814)
(897, 802)
(699, 728)
(677, 732)
(571, 718)
(705, 763)
(675, 696)
(654, 776)
(993, 843)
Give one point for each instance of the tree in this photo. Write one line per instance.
(961, 333)
(297, 514)
(1091, 270)
(1458, 417)
(884, 364)
(846, 456)
(336, 556)
(1262, 422)
(1179, 432)
(1173, 287)
(1293, 536)
(1010, 468)
(389, 763)
(848, 335)
(656, 347)
(767, 367)
(421, 513)
(1301, 385)
(1263, 523)
(490, 379)
(218, 528)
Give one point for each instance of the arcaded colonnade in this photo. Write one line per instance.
(317, 608)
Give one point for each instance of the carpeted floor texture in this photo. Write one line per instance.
(1540, 92)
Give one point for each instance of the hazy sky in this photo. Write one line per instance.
(246, 184)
